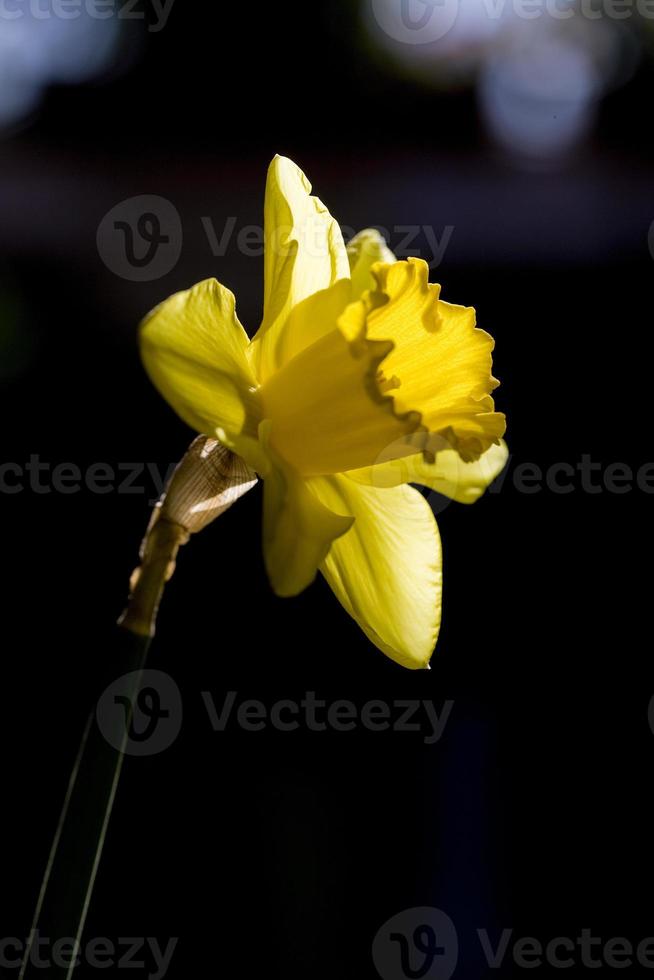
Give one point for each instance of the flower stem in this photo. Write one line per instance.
(72, 867)
(158, 557)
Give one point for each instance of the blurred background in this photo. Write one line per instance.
(510, 144)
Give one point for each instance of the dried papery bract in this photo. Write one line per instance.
(207, 481)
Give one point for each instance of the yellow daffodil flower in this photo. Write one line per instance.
(359, 381)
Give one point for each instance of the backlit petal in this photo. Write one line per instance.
(194, 350)
(363, 251)
(304, 253)
(298, 530)
(386, 571)
(448, 474)
(311, 319)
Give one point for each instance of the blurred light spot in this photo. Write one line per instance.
(540, 76)
(38, 47)
(539, 99)
(436, 40)
(17, 96)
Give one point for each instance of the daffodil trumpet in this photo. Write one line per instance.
(360, 381)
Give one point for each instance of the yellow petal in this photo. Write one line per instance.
(440, 365)
(448, 474)
(304, 253)
(298, 530)
(194, 350)
(386, 571)
(311, 319)
(327, 412)
(363, 251)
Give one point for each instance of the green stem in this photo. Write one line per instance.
(72, 867)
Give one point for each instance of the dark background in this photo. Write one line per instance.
(282, 854)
